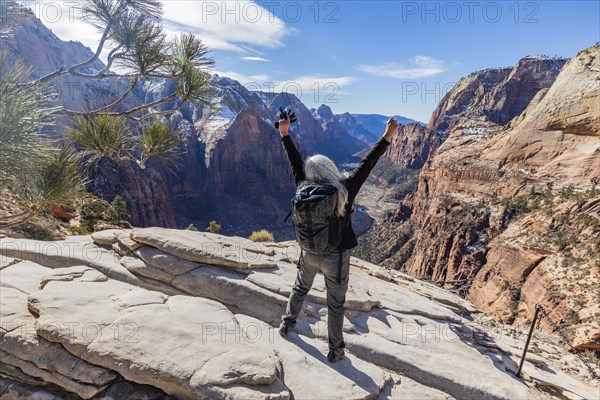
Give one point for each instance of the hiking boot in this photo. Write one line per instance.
(284, 329)
(335, 355)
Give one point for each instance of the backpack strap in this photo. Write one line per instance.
(287, 216)
(309, 223)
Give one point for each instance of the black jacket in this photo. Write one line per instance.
(353, 183)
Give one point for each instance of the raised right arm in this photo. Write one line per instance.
(356, 179)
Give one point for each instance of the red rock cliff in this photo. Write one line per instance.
(507, 210)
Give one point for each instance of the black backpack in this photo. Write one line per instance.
(317, 227)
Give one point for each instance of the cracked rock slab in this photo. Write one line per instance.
(11, 389)
(403, 388)
(77, 251)
(180, 344)
(109, 236)
(124, 238)
(429, 353)
(166, 262)
(139, 267)
(404, 337)
(225, 251)
(7, 261)
(234, 290)
(23, 352)
(426, 351)
(305, 368)
(78, 272)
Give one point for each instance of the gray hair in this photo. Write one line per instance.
(320, 168)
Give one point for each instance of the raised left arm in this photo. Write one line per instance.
(292, 152)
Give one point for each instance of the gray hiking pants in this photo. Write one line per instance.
(336, 282)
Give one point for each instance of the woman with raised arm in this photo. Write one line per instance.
(319, 168)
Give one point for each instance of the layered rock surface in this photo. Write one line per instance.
(479, 103)
(356, 129)
(160, 313)
(412, 145)
(506, 211)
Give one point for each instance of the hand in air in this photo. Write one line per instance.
(284, 126)
(286, 117)
(391, 129)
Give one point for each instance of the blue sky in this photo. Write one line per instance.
(387, 57)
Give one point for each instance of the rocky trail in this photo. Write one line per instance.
(159, 313)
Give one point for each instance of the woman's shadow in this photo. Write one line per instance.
(344, 366)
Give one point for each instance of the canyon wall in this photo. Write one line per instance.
(506, 212)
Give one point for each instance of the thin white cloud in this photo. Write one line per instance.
(417, 67)
(307, 87)
(65, 19)
(232, 26)
(244, 79)
(226, 25)
(253, 58)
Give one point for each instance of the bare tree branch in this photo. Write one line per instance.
(72, 70)
(130, 113)
(121, 99)
(24, 218)
(111, 58)
(161, 113)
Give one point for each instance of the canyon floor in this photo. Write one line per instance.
(158, 313)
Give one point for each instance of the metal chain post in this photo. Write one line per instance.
(531, 328)
(564, 338)
(539, 309)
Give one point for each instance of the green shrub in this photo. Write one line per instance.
(37, 230)
(82, 230)
(533, 191)
(548, 195)
(191, 227)
(213, 227)
(567, 193)
(572, 319)
(93, 211)
(515, 298)
(117, 212)
(592, 357)
(262, 236)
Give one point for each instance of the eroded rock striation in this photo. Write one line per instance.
(162, 313)
(506, 210)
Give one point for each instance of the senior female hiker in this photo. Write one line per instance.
(334, 263)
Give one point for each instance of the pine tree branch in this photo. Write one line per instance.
(8, 218)
(72, 70)
(24, 217)
(161, 113)
(98, 50)
(130, 114)
(121, 99)
(111, 58)
(156, 103)
(100, 76)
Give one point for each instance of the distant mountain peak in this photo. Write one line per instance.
(324, 112)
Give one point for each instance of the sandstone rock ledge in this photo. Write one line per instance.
(160, 313)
